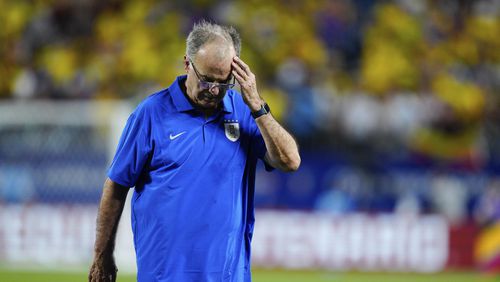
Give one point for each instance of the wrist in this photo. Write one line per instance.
(263, 110)
(257, 105)
(104, 251)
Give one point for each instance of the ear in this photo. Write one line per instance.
(186, 64)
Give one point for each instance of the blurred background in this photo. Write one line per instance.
(395, 105)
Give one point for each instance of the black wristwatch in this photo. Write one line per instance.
(264, 110)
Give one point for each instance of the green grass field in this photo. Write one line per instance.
(260, 275)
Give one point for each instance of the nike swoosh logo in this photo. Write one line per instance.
(172, 137)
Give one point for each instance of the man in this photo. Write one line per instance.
(190, 151)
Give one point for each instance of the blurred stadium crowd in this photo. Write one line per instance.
(377, 84)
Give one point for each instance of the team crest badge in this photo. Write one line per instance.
(232, 130)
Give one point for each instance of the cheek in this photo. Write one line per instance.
(192, 85)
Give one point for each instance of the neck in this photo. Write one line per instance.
(208, 111)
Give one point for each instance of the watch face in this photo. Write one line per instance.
(266, 107)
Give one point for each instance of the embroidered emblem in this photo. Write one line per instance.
(232, 130)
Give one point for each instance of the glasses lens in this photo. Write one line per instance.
(204, 84)
(209, 85)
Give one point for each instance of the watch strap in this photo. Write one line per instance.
(264, 110)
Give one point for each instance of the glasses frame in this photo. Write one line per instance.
(203, 84)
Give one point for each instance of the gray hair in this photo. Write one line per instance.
(205, 32)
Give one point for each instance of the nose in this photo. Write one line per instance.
(214, 90)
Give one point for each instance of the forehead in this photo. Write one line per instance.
(214, 60)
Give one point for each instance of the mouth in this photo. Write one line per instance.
(209, 97)
(207, 100)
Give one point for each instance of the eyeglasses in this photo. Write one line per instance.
(203, 84)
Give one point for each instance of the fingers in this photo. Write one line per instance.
(242, 69)
(99, 275)
(238, 72)
(238, 77)
(247, 81)
(242, 73)
(102, 277)
(237, 62)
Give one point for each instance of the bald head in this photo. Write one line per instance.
(205, 33)
(212, 47)
(215, 58)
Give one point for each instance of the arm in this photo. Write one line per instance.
(113, 198)
(282, 150)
